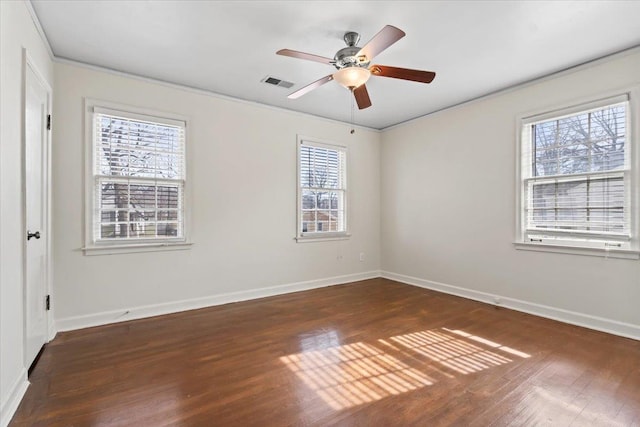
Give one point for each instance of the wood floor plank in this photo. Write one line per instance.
(371, 353)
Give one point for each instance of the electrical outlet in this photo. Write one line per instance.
(361, 256)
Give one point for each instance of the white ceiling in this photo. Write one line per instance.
(228, 47)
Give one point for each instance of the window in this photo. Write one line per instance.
(321, 190)
(137, 179)
(577, 178)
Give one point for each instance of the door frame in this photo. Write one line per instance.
(29, 64)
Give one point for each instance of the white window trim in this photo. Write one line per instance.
(633, 148)
(92, 247)
(320, 236)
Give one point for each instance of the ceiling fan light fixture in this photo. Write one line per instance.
(352, 77)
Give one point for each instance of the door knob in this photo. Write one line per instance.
(30, 235)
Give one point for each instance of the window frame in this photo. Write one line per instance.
(116, 246)
(632, 177)
(304, 236)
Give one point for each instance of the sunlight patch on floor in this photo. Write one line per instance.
(446, 348)
(489, 343)
(354, 374)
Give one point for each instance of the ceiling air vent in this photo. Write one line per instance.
(277, 82)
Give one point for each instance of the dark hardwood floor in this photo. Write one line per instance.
(371, 353)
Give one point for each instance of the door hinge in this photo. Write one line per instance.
(48, 302)
(48, 121)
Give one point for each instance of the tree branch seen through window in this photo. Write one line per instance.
(139, 178)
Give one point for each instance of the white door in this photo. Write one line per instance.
(36, 234)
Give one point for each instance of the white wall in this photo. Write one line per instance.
(242, 164)
(17, 30)
(448, 207)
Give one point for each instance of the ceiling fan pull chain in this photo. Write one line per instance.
(352, 112)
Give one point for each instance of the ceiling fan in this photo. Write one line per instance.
(353, 64)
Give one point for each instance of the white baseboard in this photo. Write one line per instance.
(104, 318)
(10, 404)
(614, 327)
(580, 319)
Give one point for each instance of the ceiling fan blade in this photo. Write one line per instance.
(308, 88)
(307, 56)
(402, 73)
(385, 38)
(362, 97)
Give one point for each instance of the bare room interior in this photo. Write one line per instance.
(274, 213)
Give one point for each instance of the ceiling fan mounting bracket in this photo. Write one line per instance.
(351, 38)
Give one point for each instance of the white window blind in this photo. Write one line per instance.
(139, 177)
(576, 176)
(322, 192)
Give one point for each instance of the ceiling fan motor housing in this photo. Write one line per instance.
(347, 57)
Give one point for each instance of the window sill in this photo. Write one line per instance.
(113, 249)
(575, 250)
(322, 238)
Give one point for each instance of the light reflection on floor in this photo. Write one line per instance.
(354, 374)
